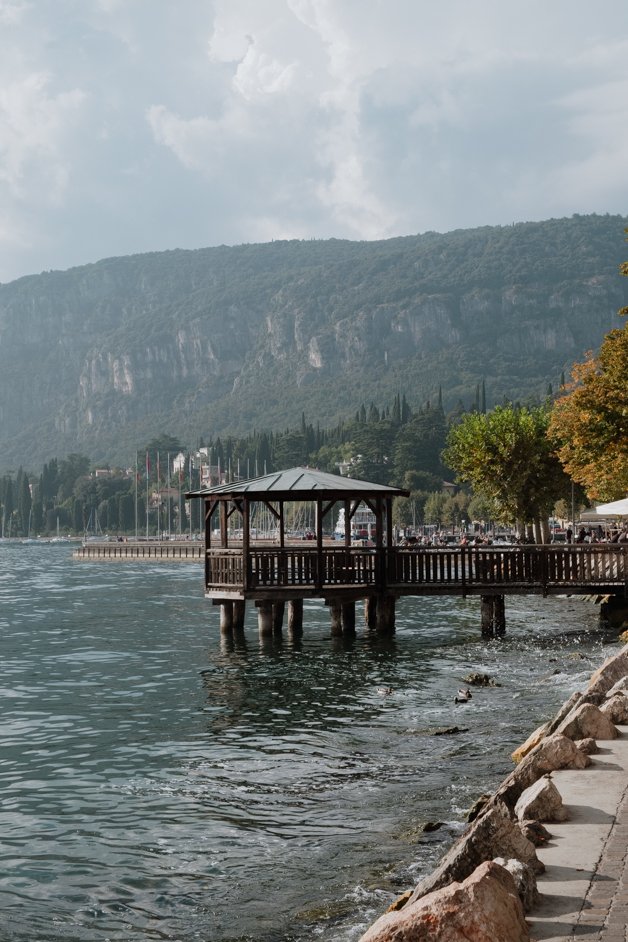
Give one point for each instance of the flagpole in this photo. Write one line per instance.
(168, 489)
(190, 513)
(136, 477)
(147, 494)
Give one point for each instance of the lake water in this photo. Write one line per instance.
(159, 783)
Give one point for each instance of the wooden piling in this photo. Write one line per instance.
(295, 617)
(370, 611)
(493, 615)
(335, 612)
(264, 617)
(239, 613)
(226, 617)
(348, 618)
(278, 612)
(385, 614)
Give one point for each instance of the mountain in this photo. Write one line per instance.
(100, 358)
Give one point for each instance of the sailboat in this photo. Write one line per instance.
(58, 538)
(93, 532)
(28, 538)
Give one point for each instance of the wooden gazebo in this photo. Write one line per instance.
(272, 570)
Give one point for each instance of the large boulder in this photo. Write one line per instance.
(531, 742)
(541, 802)
(554, 752)
(619, 687)
(525, 881)
(586, 721)
(616, 708)
(483, 908)
(493, 834)
(606, 676)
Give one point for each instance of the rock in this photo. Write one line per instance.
(587, 746)
(478, 807)
(533, 740)
(400, 902)
(493, 834)
(564, 711)
(541, 802)
(536, 833)
(609, 673)
(449, 730)
(621, 685)
(480, 680)
(525, 881)
(586, 721)
(484, 908)
(430, 826)
(616, 708)
(553, 752)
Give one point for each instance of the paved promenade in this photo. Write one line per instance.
(584, 891)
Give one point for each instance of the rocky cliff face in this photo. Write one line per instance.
(98, 358)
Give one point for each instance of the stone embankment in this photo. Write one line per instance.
(509, 877)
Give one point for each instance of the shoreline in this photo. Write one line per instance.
(541, 850)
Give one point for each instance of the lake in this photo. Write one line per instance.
(160, 782)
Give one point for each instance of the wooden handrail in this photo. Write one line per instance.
(572, 567)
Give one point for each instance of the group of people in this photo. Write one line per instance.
(597, 535)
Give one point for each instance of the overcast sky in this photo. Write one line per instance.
(138, 125)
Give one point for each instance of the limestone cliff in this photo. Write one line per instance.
(98, 358)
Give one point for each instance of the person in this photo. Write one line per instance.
(569, 534)
(582, 535)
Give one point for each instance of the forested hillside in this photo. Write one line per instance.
(222, 341)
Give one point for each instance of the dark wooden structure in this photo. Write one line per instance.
(281, 571)
(284, 570)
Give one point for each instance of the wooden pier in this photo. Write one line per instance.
(283, 575)
(151, 550)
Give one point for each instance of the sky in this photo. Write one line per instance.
(131, 126)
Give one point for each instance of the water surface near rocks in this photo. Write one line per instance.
(159, 783)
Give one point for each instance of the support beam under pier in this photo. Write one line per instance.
(278, 613)
(226, 618)
(493, 615)
(386, 614)
(264, 617)
(295, 617)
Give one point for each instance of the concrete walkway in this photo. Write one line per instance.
(584, 891)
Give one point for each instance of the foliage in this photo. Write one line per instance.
(590, 422)
(507, 457)
(218, 342)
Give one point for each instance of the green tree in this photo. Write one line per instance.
(590, 423)
(506, 455)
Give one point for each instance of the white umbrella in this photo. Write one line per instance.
(618, 508)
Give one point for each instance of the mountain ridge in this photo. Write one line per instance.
(100, 358)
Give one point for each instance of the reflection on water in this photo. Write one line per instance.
(159, 781)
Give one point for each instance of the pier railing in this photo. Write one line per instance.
(458, 570)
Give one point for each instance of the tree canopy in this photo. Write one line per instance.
(590, 423)
(507, 456)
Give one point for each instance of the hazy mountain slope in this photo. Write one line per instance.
(99, 358)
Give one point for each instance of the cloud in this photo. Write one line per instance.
(32, 127)
(136, 126)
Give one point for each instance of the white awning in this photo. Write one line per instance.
(617, 508)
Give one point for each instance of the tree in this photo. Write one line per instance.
(590, 423)
(506, 456)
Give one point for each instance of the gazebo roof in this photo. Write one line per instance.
(299, 484)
